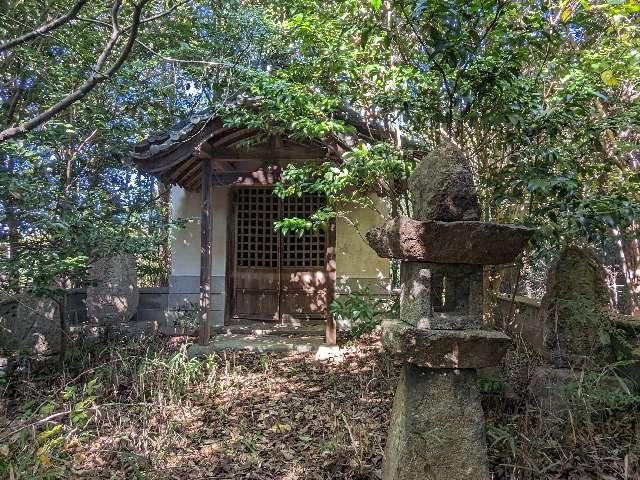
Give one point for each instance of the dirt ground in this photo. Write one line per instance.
(233, 416)
(144, 410)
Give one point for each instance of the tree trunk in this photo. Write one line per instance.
(628, 248)
(11, 210)
(164, 208)
(62, 309)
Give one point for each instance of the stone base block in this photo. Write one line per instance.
(437, 427)
(548, 387)
(444, 348)
(330, 352)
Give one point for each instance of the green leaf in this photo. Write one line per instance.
(376, 4)
(609, 78)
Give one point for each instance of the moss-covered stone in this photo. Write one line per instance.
(437, 427)
(442, 187)
(577, 325)
(31, 324)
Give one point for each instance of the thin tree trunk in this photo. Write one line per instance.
(164, 207)
(629, 255)
(62, 309)
(11, 210)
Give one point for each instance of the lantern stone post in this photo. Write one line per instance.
(437, 426)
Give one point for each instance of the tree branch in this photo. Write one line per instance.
(96, 77)
(164, 13)
(42, 30)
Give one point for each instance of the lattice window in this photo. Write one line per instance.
(308, 250)
(257, 242)
(256, 239)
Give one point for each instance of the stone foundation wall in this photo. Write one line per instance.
(183, 297)
(32, 325)
(523, 319)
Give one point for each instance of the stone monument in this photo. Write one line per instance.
(576, 311)
(112, 297)
(576, 326)
(29, 323)
(437, 425)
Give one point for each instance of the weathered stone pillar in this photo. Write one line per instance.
(112, 297)
(437, 426)
(575, 311)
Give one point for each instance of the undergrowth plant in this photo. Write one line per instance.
(592, 430)
(111, 387)
(364, 310)
(603, 389)
(146, 409)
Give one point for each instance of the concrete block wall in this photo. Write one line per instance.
(152, 304)
(184, 295)
(152, 307)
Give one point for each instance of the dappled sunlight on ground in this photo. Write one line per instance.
(144, 410)
(237, 415)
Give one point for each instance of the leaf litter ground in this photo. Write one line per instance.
(140, 410)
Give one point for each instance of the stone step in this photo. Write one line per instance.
(263, 328)
(258, 344)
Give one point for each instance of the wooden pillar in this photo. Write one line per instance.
(205, 255)
(330, 335)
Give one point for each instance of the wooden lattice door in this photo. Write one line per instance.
(276, 277)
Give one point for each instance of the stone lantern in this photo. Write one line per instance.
(437, 426)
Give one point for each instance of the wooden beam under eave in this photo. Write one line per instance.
(205, 255)
(233, 138)
(194, 176)
(184, 169)
(231, 155)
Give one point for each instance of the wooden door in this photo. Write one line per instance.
(302, 276)
(276, 277)
(256, 279)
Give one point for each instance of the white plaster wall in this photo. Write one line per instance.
(220, 212)
(185, 243)
(357, 265)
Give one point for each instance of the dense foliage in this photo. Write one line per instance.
(541, 96)
(67, 191)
